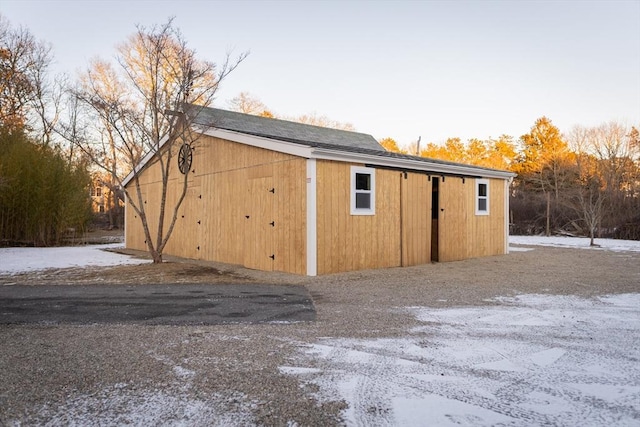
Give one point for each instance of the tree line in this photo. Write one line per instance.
(584, 182)
(43, 186)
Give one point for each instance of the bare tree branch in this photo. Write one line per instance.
(129, 113)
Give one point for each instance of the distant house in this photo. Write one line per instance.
(98, 191)
(276, 195)
(107, 202)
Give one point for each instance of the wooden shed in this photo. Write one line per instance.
(277, 195)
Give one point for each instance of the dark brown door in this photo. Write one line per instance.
(435, 214)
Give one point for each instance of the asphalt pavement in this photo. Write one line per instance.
(179, 304)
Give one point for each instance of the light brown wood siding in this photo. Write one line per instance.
(462, 233)
(354, 242)
(235, 193)
(247, 205)
(416, 219)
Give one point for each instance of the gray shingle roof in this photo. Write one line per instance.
(285, 130)
(311, 136)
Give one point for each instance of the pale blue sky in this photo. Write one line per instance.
(402, 69)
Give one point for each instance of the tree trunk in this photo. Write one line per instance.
(548, 231)
(157, 257)
(109, 208)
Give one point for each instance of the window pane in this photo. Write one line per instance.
(363, 181)
(482, 204)
(482, 190)
(363, 201)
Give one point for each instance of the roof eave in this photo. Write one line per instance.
(323, 153)
(409, 164)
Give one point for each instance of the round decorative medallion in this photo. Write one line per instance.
(185, 157)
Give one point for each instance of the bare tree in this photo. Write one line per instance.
(588, 202)
(249, 104)
(323, 121)
(47, 105)
(144, 107)
(612, 145)
(29, 100)
(634, 143)
(607, 153)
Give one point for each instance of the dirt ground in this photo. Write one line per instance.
(49, 371)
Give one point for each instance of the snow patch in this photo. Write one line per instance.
(519, 249)
(440, 411)
(183, 373)
(22, 260)
(547, 357)
(610, 393)
(501, 365)
(119, 406)
(574, 242)
(534, 360)
(297, 370)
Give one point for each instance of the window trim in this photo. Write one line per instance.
(479, 197)
(372, 174)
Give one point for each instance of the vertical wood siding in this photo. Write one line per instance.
(246, 205)
(416, 219)
(353, 242)
(462, 233)
(398, 234)
(229, 182)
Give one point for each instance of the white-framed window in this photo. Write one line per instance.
(482, 197)
(363, 191)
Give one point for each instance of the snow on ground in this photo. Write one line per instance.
(574, 242)
(532, 360)
(122, 406)
(21, 260)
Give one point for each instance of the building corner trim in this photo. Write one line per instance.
(507, 192)
(312, 219)
(126, 209)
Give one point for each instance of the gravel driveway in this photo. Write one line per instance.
(233, 374)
